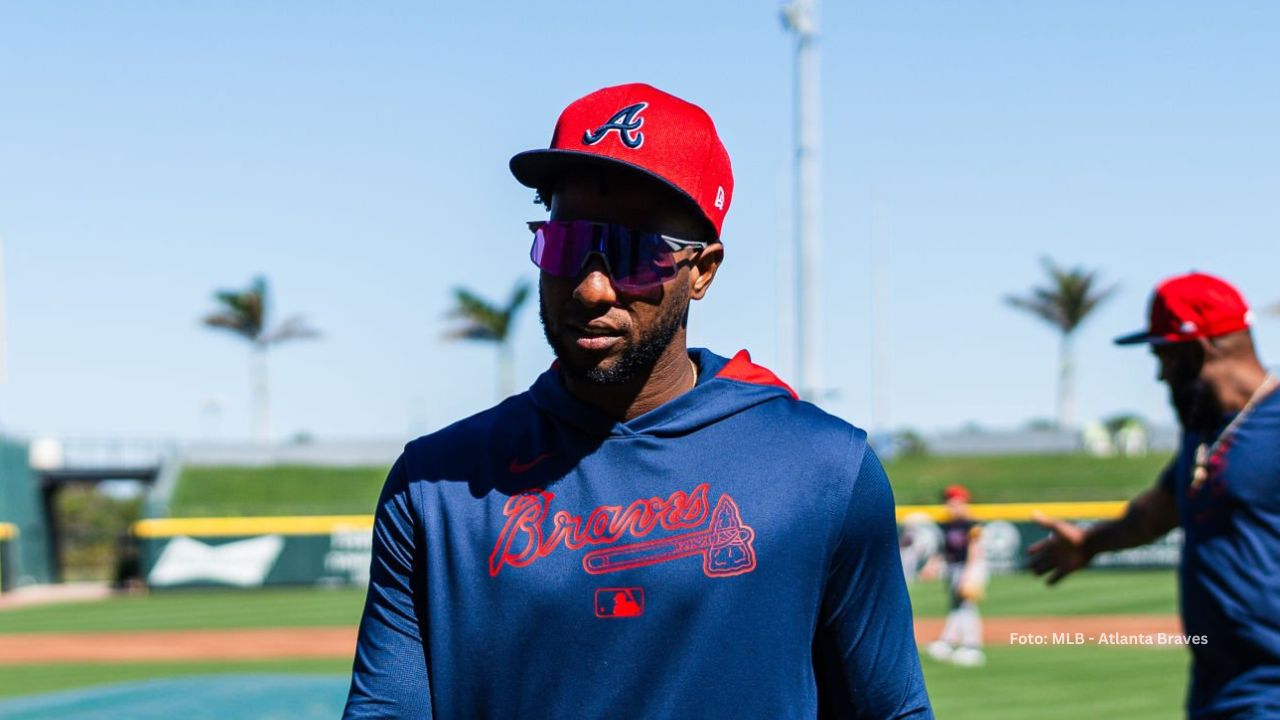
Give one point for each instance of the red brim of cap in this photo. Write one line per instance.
(539, 169)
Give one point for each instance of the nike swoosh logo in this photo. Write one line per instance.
(516, 467)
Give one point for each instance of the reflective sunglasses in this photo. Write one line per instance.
(636, 260)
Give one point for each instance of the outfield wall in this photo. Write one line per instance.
(29, 557)
(8, 535)
(335, 550)
(256, 551)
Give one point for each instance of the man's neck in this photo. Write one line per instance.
(1236, 387)
(672, 375)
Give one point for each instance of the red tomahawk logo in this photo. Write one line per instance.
(725, 547)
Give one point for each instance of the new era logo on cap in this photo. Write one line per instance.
(1192, 306)
(678, 146)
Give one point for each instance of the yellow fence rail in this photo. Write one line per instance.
(232, 526)
(1022, 511)
(325, 524)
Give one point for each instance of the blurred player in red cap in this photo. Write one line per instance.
(1222, 488)
(965, 578)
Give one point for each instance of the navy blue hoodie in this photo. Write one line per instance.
(729, 554)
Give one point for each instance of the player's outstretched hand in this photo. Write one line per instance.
(1060, 554)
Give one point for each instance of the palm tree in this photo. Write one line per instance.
(1064, 302)
(246, 313)
(484, 321)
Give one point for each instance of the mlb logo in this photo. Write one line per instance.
(619, 602)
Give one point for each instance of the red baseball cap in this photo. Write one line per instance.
(640, 127)
(1192, 306)
(956, 492)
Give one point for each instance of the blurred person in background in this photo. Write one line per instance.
(964, 576)
(1222, 488)
(650, 531)
(918, 544)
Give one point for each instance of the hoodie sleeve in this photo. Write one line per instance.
(865, 656)
(389, 676)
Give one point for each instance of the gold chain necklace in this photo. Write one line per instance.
(1204, 453)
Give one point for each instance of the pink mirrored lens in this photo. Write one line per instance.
(636, 260)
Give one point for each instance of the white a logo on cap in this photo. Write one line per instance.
(626, 122)
(719, 197)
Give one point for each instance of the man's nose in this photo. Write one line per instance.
(594, 286)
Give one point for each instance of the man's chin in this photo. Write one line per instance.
(598, 368)
(1197, 408)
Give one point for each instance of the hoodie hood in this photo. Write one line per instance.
(725, 387)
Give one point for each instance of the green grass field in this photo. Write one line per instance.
(1017, 683)
(16, 681)
(1062, 683)
(1023, 478)
(1048, 683)
(193, 610)
(177, 610)
(301, 490)
(1102, 592)
(1096, 592)
(277, 490)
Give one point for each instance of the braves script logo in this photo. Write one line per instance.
(626, 122)
(725, 544)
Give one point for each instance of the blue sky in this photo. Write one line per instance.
(356, 154)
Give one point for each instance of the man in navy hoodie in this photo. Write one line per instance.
(650, 531)
(1222, 487)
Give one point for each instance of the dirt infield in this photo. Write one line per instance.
(1000, 630)
(54, 594)
(329, 642)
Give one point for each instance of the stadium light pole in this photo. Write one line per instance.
(4, 340)
(800, 17)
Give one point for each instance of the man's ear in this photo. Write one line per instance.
(703, 270)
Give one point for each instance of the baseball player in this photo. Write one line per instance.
(965, 578)
(1222, 488)
(918, 542)
(650, 531)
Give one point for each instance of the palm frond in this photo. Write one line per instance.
(480, 319)
(245, 313)
(232, 322)
(472, 332)
(518, 297)
(1036, 306)
(294, 328)
(241, 311)
(1067, 300)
